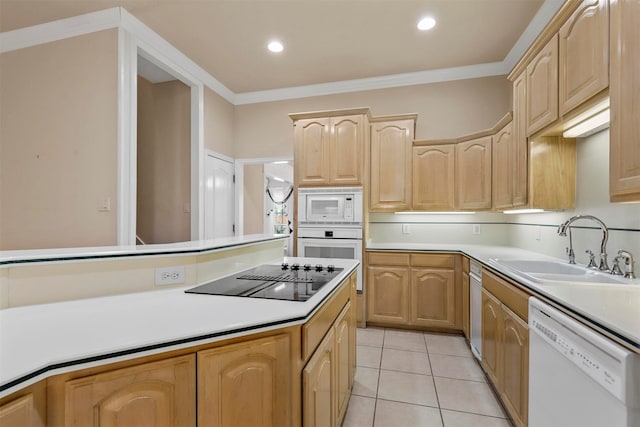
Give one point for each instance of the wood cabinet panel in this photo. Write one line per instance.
(346, 147)
(433, 297)
(434, 177)
(319, 403)
(466, 325)
(391, 168)
(491, 327)
(624, 92)
(153, 394)
(515, 366)
(520, 142)
(20, 412)
(503, 168)
(583, 54)
(552, 173)
(542, 88)
(388, 258)
(473, 172)
(344, 351)
(514, 298)
(255, 373)
(433, 260)
(388, 294)
(312, 151)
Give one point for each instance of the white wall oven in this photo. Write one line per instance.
(330, 224)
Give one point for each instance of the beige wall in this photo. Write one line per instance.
(218, 123)
(58, 143)
(253, 216)
(164, 162)
(444, 110)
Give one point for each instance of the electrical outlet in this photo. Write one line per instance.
(170, 275)
(538, 233)
(405, 229)
(475, 229)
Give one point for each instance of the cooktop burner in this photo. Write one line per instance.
(284, 282)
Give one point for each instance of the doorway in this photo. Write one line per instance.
(219, 198)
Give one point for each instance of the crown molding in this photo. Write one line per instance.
(60, 29)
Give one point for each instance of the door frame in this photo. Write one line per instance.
(208, 152)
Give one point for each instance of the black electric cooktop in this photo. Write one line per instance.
(284, 282)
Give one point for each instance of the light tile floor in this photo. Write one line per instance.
(410, 378)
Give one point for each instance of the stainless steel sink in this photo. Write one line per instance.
(540, 271)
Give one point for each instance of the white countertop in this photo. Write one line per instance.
(8, 258)
(47, 339)
(614, 309)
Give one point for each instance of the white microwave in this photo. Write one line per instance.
(339, 205)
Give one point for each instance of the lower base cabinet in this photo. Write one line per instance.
(152, 394)
(245, 384)
(505, 344)
(327, 379)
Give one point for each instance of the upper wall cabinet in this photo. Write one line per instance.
(433, 184)
(473, 174)
(329, 149)
(583, 54)
(520, 142)
(542, 88)
(391, 140)
(624, 94)
(503, 168)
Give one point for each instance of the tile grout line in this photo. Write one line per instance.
(433, 379)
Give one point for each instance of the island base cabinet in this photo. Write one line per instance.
(246, 384)
(319, 387)
(153, 394)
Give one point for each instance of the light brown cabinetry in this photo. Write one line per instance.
(388, 290)
(329, 150)
(152, 394)
(327, 379)
(22, 412)
(583, 54)
(505, 343)
(473, 174)
(542, 88)
(624, 92)
(255, 371)
(412, 290)
(466, 313)
(434, 178)
(503, 168)
(520, 142)
(390, 164)
(552, 172)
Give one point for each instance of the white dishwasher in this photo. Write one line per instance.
(578, 377)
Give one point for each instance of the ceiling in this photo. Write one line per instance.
(326, 41)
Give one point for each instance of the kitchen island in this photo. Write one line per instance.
(157, 336)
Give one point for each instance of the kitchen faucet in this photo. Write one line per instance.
(562, 231)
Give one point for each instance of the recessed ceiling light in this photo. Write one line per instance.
(275, 46)
(426, 23)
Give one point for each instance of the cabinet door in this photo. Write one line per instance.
(491, 327)
(624, 92)
(231, 376)
(503, 167)
(433, 297)
(343, 350)
(346, 147)
(434, 178)
(583, 54)
(312, 151)
(515, 366)
(20, 412)
(391, 165)
(542, 88)
(153, 394)
(520, 143)
(318, 387)
(473, 170)
(388, 294)
(465, 305)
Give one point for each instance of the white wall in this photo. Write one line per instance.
(535, 232)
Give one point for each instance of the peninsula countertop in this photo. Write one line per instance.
(613, 309)
(42, 340)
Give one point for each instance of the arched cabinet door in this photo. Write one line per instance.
(515, 365)
(433, 297)
(473, 170)
(155, 394)
(491, 321)
(388, 293)
(246, 384)
(433, 185)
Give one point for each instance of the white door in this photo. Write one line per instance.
(218, 198)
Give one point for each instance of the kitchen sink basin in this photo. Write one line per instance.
(541, 271)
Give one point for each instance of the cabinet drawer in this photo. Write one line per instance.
(508, 294)
(315, 329)
(433, 260)
(388, 258)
